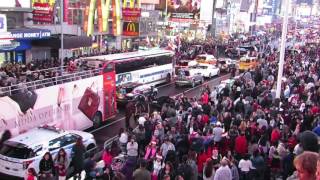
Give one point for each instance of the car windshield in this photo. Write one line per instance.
(16, 151)
(184, 73)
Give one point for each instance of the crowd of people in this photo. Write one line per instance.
(239, 132)
(14, 73)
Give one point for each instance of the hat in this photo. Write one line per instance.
(218, 123)
(309, 141)
(238, 88)
(159, 156)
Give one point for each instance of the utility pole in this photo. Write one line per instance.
(213, 25)
(61, 28)
(282, 49)
(254, 20)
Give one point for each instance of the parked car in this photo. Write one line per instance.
(129, 92)
(206, 70)
(26, 150)
(206, 58)
(188, 77)
(225, 64)
(235, 52)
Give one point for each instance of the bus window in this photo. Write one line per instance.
(108, 68)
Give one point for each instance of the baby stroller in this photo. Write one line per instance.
(118, 162)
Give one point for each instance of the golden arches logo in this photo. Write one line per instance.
(131, 27)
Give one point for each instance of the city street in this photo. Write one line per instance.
(110, 130)
(237, 83)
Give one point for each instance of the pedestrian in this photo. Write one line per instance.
(245, 166)
(306, 165)
(142, 173)
(132, 149)
(166, 147)
(223, 172)
(77, 154)
(208, 170)
(31, 175)
(61, 163)
(46, 167)
(167, 171)
(91, 169)
(107, 157)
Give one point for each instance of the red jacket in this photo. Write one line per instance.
(241, 145)
(205, 98)
(275, 135)
(202, 158)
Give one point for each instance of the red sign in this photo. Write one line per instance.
(42, 12)
(130, 29)
(131, 14)
(65, 10)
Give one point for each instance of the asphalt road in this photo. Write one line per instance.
(109, 131)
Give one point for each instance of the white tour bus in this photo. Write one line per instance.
(146, 67)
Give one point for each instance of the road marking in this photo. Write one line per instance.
(164, 85)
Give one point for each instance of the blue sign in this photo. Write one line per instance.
(1, 22)
(15, 46)
(31, 34)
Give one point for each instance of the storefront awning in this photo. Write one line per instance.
(69, 42)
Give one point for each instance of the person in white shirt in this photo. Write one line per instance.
(132, 148)
(123, 139)
(223, 172)
(245, 165)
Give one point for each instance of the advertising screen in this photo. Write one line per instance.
(181, 9)
(16, 5)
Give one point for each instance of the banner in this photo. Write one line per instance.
(65, 10)
(183, 9)
(130, 29)
(42, 12)
(131, 14)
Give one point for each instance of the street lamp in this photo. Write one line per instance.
(282, 48)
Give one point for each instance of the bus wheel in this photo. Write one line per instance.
(97, 119)
(168, 78)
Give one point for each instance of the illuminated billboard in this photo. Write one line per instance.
(15, 5)
(182, 9)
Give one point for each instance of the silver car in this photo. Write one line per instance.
(188, 77)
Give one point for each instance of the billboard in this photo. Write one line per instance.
(130, 29)
(15, 5)
(181, 9)
(3, 23)
(42, 12)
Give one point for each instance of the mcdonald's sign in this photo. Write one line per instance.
(130, 29)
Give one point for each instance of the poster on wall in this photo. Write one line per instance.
(15, 5)
(42, 12)
(181, 9)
